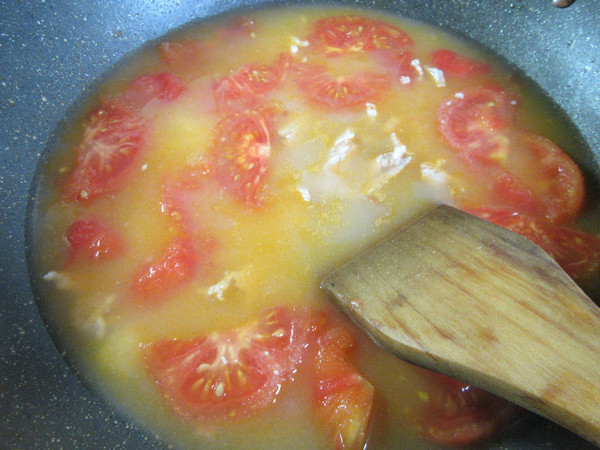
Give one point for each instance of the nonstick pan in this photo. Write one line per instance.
(52, 53)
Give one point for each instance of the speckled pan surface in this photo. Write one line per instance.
(51, 53)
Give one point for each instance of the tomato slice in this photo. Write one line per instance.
(188, 56)
(338, 35)
(473, 123)
(230, 374)
(192, 250)
(459, 414)
(522, 224)
(112, 140)
(183, 55)
(554, 178)
(250, 83)
(535, 177)
(90, 239)
(242, 151)
(577, 252)
(342, 396)
(332, 92)
(509, 191)
(251, 80)
(164, 274)
(402, 65)
(236, 29)
(186, 200)
(460, 66)
(164, 86)
(182, 193)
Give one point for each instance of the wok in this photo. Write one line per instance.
(53, 51)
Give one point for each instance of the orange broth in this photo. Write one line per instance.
(315, 213)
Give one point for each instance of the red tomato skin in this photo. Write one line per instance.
(113, 138)
(165, 273)
(520, 223)
(90, 239)
(340, 35)
(229, 375)
(473, 122)
(457, 65)
(343, 398)
(349, 92)
(577, 252)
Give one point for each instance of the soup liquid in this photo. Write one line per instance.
(325, 198)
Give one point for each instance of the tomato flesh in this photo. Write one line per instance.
(250, 83)
(555, 179)
(112, 141)
(90, 239)
(537, 178)
(526, 171)
(402, 65)
(236, 29)
(577, 252)
(339, 35)
(182, 55)
(242, 151)
(164, 86)
(189, 55)
(342, 92)
(460, 66)
(251, 80)
(182, 193)
(472, 123)
(343, 398)
(509, 191)
(114, 136)
(460, 414)
(158, 278)
(232, 374)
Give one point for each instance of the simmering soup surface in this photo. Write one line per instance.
(186, 219)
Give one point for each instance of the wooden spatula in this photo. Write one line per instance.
(464, 297)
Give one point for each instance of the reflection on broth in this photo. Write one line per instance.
(187, 217)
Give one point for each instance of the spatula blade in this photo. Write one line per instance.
(462, 296)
